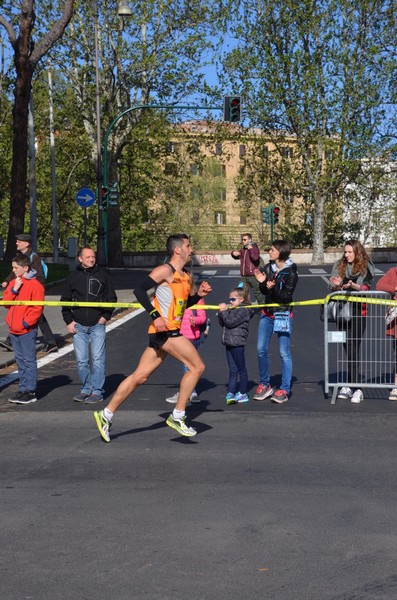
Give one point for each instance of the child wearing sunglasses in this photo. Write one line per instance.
(234, 319)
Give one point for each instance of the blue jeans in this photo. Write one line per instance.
(24, 347)
(237, 370)
(94, 337)
(265, 331)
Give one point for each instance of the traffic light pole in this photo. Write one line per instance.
(105, 147)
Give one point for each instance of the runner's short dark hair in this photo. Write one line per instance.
(175, 241)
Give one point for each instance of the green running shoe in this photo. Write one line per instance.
(103, 425)
(181, 426)
(230, 399)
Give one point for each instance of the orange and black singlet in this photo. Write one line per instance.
(170, 300)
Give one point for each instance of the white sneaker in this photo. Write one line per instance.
(173, 399)
(357, 397)
(393, 394)
(194, 397)
(345, 394)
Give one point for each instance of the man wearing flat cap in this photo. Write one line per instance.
(24, 245)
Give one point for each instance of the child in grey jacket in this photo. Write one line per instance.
(234, 319)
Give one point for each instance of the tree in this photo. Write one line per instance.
(27, 54)
(319, 71)
(154, 57)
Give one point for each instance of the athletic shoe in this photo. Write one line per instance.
(93, 399)
(181, 426)
(241, 398)
(263, 392)
(25, 398)
(80, 397)
(279, 397)
(230, 399)
(50, 348)
(357, 397)
(393, 394)
(15, 397)
(345, 394)
(6, 344)
(174, 399)
(103, 425)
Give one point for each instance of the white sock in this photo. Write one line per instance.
(107, 414)
(178, 414)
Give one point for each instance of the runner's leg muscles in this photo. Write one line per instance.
(150, 360)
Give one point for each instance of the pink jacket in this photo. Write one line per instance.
(192, 332)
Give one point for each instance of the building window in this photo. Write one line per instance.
(195, 169)
(171, 168)
(196, 193)
(195, 218)
(242, 170)
(218, 149)
(288, 196)
(286, 152)
(353, 217)
(220, 194)
(220, 217)
(243, 218)
(241, 150)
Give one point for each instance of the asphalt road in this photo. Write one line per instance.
(278, 502)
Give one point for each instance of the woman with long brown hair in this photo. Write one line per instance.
(353, 272)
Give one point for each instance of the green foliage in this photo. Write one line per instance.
(318, 71)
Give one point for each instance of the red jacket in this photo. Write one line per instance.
(388, 283)
(22, 319)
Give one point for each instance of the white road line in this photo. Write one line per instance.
(46, 360)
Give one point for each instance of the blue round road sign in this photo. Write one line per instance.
(85, 197)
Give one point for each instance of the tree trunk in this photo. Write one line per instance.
(19, 151)
(318, 230)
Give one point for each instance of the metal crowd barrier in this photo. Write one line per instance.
(358, 353)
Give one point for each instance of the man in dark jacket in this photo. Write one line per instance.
(24, 246)
(249, 257)
(89, 283)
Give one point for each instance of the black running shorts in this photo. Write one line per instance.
(157, 340)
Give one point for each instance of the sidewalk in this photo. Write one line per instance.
(124, 281)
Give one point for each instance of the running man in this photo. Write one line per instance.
(172, 296)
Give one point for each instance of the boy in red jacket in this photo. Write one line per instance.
(22, 323)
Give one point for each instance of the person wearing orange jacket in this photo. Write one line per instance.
(22, 323)
(388, 283)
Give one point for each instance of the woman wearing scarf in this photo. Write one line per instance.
(353, 272)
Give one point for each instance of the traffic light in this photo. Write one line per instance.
(276, 214)
(266, 215)
(113, 197)
(231, 108)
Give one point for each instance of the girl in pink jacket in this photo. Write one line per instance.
(191, 327)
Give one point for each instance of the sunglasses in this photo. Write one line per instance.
(233, 299)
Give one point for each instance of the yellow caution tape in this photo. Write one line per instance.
(318, 301)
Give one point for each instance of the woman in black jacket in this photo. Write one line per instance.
(277, 285)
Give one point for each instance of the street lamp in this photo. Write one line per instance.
(123, 10)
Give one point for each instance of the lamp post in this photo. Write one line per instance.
(123, 10)
(101, 256)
